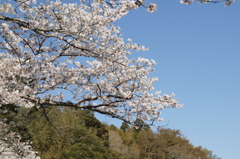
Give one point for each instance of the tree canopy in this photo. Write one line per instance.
(69, 134)
(72, 54)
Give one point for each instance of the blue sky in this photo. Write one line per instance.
(197, 49)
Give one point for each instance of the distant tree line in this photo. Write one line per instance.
(67, 133)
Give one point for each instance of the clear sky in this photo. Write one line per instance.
(197, 49)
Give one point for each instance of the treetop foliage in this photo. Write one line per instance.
(66, 134)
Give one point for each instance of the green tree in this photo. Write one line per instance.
(124, 127)
(57, 132)
(69, 133)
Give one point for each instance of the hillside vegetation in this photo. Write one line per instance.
(65, 133)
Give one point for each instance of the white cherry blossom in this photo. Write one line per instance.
(227, 2)
(72, 54)
(11, 146)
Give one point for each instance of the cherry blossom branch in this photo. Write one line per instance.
(76, 49)
(227, 2)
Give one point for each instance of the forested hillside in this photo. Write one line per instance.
(66, 133)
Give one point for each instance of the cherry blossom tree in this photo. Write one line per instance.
(11, 146)
(72, 55)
